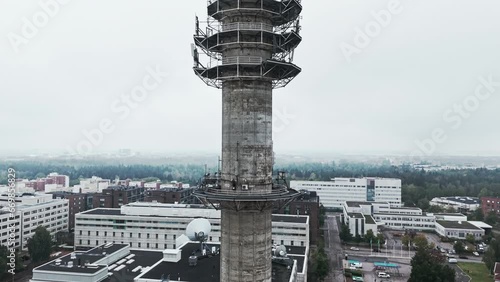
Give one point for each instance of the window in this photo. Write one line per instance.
(282, 242)
(157, 245)
(89, 233)
(97, 233)
(157, 237)
(147, 245)
(88, 242)
(105, 233)
(139, 245)
(97, 242)
(130, 235)
(139, 235)
(80, 232)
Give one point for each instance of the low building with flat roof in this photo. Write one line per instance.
(459, 203)
(120, 263)
(458, 229)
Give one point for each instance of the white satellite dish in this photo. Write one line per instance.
(280, 251)
(198, 229)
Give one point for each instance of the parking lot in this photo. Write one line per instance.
(370, 272)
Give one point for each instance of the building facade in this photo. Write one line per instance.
(76, 203)
(334, 193)
(117, 196)
(306, 204)
(157, 226)
(490, 205)
(38, 210)
(171, 196)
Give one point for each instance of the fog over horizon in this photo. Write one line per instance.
(427, 79)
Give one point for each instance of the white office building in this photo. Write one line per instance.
(334, 193)
(33, 210)
(157, 226)
(461, 204)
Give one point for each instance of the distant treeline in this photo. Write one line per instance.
(418, 186)
(184, 173)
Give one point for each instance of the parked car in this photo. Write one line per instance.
(463, 257)
(452, 260)
(354, 249)
(357, 278)
(357, 265)
(475, 254)
(383, 275)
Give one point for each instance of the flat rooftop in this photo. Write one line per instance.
(356, 215)
(103, 212)
(275, 218)
(458, 225)
(208, 269)
(369, 219)
(130, 268)
(90, 257)
(292, 219)
(449, 214)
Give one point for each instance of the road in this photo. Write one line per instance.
(333, 249)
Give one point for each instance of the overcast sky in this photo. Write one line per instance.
(65, 76)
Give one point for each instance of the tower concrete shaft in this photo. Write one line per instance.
(250, 45)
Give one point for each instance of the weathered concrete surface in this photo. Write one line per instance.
(246, 246)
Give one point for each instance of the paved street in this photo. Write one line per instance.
(333, 249)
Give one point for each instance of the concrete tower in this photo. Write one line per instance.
(249, 47)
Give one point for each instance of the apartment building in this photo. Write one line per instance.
(38, 210)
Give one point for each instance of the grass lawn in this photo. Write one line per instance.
(477, 271)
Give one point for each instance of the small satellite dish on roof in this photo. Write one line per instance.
(280, 251)
(198, 229)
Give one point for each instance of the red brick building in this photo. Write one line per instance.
(171, 196)
(77, 203)
(490, 204)
(117, 196)
(306, 204)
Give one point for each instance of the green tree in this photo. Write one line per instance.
(429, 265)
(492, 255)
(420, 241)
(381, 238)
(423, 204)
(3, 260)
(470, 238)
(491, 218)
(322, 215)
(345, 234)
(405, 240)
(40, 245)
(459, 247)
(370, 237)
(477, 215)
(320, 264)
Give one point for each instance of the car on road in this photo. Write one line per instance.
(356, 265)
(383, 275)
(452, 260)
(357, 278)
(463, 257)
(354, 249)
(475, 254)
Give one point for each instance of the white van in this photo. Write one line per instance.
(452, 260)
(383, 275)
